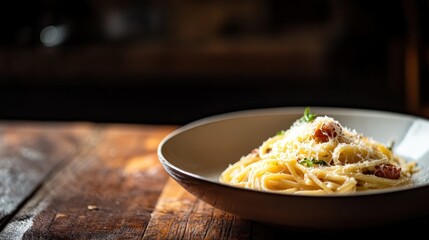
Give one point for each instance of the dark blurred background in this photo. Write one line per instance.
(172, 62)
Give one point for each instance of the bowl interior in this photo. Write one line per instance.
(204, 148)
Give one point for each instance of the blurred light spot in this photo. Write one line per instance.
(116, 25)
(52, 36)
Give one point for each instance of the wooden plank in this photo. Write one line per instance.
(29, 152)
(179, 215)
(112, 190)
(107, 192)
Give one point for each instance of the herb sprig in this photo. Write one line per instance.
(280, 133)
(310, 162)
(308, 116)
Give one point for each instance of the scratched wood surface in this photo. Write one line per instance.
(28, 154)
(179, 215)
(108, 191)
(104, 181)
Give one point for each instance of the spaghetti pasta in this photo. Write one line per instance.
(317, 155)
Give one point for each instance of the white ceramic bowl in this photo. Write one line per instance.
(196, 154)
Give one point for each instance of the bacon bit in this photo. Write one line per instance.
(255, 151)
(325, 132)
(387, 171)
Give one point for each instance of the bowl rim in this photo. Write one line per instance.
(282, 110)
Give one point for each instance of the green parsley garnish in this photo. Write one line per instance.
(309, 162)
(308, 117)
(280, 133)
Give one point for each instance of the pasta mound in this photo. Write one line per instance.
(317, 155)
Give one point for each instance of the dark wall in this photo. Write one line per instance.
(177, 61)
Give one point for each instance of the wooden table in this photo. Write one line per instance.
(104, 181)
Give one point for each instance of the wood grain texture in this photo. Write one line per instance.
(95, 181)
(108, 191)
(179, 215)
(28, 154)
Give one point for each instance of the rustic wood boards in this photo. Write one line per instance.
(104, 181)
